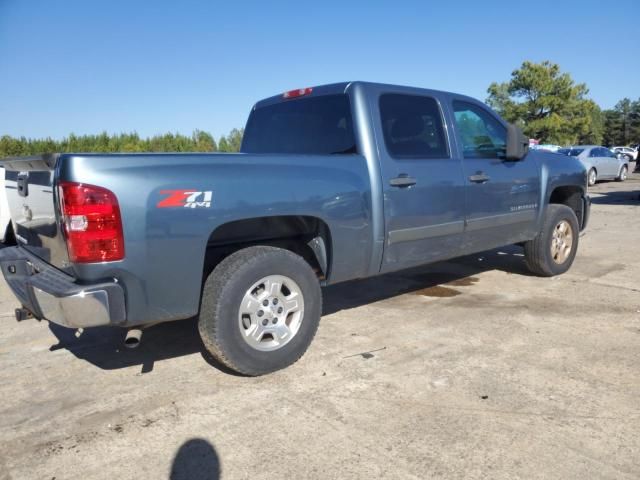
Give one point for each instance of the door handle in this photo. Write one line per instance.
(403, 180)
(479, 178)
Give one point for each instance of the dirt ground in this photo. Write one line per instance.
(463, 369)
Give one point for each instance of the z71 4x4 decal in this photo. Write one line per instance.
(185, 198)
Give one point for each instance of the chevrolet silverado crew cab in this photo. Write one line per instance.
(333, 183)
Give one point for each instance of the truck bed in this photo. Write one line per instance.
(165, 245)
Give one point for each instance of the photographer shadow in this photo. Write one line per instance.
(196, 459)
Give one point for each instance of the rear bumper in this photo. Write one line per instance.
(53, 295)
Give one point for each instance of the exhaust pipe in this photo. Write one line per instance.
(133, 338)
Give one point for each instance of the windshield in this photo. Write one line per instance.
(572, 152)
(313, 125)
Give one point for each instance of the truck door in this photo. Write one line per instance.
(502, 196)
(422, 182)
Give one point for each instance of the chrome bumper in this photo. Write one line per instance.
(52, 295)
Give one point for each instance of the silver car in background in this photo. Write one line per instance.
(628, 152)
(600, 162)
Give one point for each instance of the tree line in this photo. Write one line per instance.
(199, 141)
(545, 101)
(551, 107)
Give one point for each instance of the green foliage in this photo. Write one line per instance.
(199, 141)
(235, 139)
(223, 145)
(595, 134)
(622, 123)
(232, 142)
(548, 104)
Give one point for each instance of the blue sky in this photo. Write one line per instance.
(157, 66)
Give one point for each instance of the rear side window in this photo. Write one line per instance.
(314, 125)
(482, 135)
(412, 126)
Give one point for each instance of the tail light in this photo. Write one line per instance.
(92, 223)
(300, 92)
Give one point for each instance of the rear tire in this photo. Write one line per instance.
(260, 310)
(592, 177)
(622, 176)
(552, 252)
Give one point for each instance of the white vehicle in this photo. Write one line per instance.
(4, 207)
(627, 152)
(549, 147)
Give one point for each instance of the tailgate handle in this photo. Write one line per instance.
(23, 184)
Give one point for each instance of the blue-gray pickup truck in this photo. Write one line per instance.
(333, 183)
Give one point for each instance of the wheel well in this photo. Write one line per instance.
(306, 236)
(571, 196)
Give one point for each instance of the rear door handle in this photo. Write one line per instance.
(403, 180)
(479, 178)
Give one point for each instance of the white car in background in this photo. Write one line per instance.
(549, 147)
(4, 208)
(627, 152)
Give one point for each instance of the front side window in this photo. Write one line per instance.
(482, 135)
(412, 126)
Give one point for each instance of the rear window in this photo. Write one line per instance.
(572, 152)
(313, 125)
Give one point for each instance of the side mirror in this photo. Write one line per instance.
(517, 143)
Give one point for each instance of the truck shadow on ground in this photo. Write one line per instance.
(629, 197)
(104, 346)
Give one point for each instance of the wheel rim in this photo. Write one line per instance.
(271, 313)
(623, 173)
(592, 177)
(561, 242)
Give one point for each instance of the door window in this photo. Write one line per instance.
(412, 126)
(482, 135)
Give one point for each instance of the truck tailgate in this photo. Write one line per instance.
(30, 195)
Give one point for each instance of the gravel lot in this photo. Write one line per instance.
(463, 369)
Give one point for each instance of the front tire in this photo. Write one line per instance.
(592, 177)
(552, 252)
(622, 176)
(260, 310)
